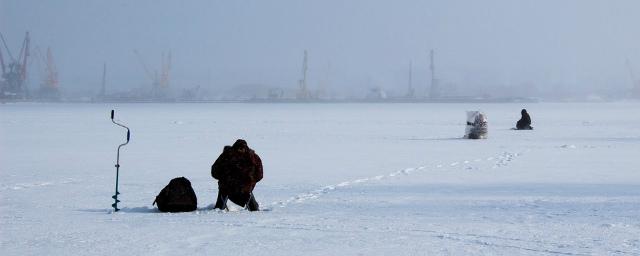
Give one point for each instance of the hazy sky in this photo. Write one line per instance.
(354, 43)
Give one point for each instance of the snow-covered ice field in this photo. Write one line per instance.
(340, 179)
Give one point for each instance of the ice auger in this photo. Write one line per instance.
(115, 196)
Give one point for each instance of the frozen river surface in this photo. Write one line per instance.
(340, 179)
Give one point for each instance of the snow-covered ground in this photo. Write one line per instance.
(340, 179)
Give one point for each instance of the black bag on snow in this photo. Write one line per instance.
(178, 196)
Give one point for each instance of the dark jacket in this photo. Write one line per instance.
(525, 121)
(237, 170)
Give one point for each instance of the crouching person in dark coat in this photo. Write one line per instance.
(237, 170)
(525, 121)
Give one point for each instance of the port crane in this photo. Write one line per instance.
(14, 74)
(636, 83)
(303, 90)
(160, 82)
(50, 85)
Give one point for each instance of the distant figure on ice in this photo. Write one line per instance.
(477, 126)
(525, 121)
(237, 170)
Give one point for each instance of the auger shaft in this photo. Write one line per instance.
(115, 196)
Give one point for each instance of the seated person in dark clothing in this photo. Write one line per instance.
(237, 170)
(525, 121)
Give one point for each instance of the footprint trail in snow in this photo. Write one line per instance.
(500, 160)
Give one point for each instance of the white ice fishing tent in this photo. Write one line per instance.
(477, 126)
